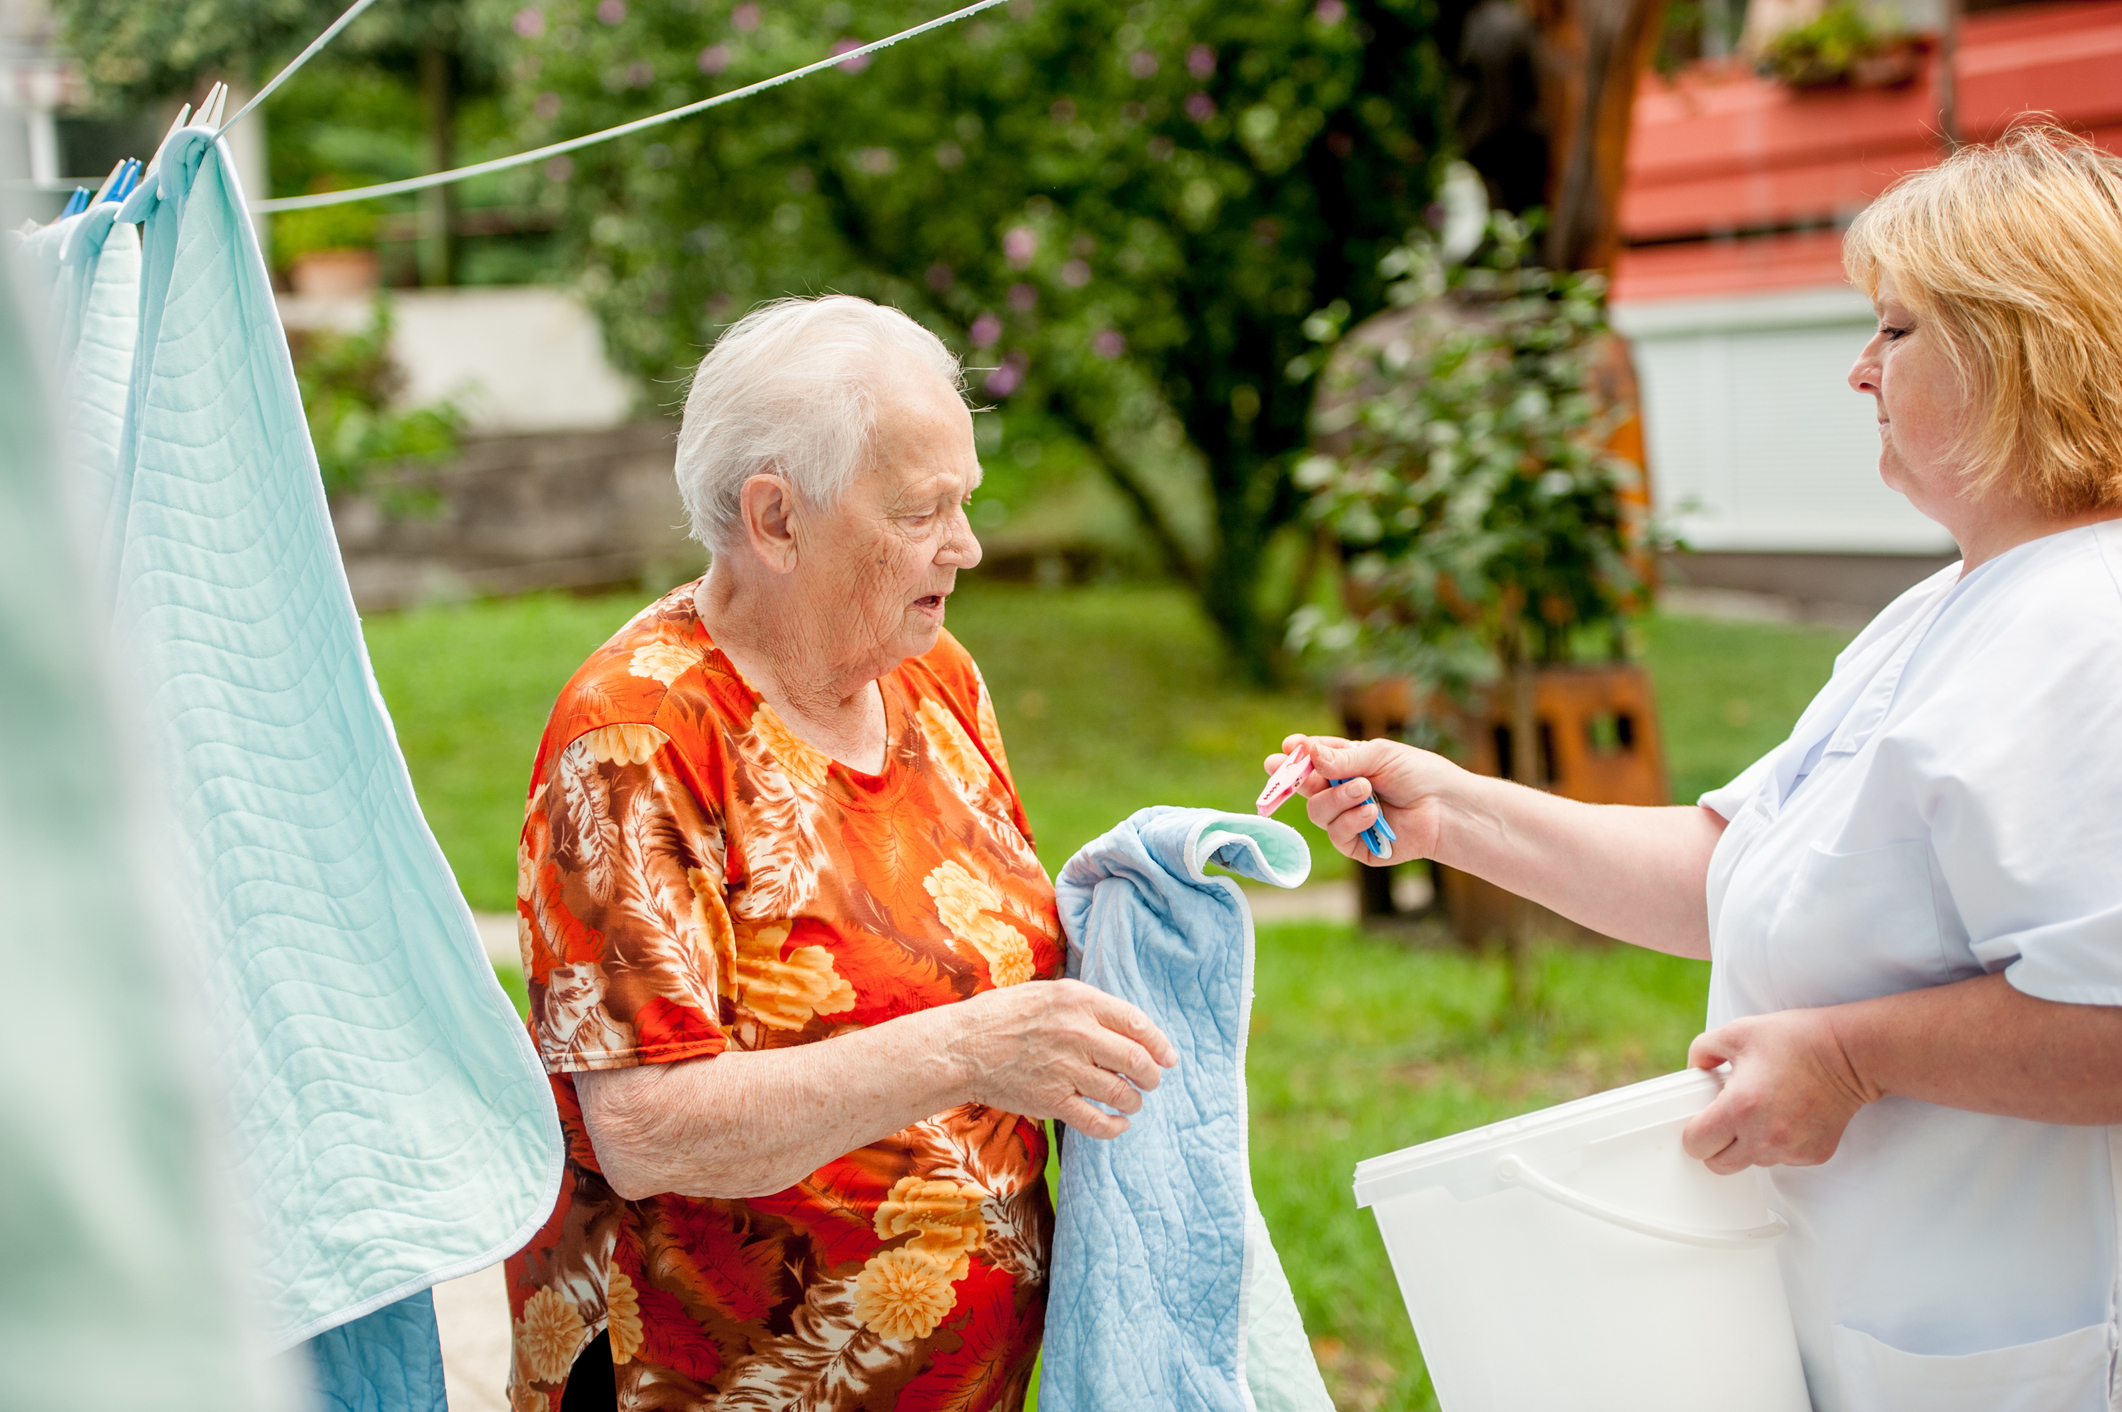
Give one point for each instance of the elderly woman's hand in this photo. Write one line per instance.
(1043, 1050)
(752, 1122)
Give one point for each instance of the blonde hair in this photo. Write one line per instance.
(2013, 253)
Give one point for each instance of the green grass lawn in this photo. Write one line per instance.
(1114, 698)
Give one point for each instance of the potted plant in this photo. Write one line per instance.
(1845, 44)
(328, 250)
(1470, 472)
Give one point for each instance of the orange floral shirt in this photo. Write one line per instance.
(693, 877)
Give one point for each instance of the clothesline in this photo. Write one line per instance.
(331, 33)
(502, 164)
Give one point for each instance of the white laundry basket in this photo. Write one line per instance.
(1577, 1258)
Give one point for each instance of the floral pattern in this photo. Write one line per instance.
(695, 877)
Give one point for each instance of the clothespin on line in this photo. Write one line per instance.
(110, 183)
(184, 117)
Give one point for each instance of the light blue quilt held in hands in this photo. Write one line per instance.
(391, 1124)
(1166, 1290)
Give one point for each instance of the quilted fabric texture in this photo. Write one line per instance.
(85, 274)
(1166, 1290)
(391, 1125)
(109, 1274)
(102, 260)
(388, 1361)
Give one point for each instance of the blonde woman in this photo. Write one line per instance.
(1913, 907)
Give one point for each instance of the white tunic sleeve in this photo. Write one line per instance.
(2014, 756)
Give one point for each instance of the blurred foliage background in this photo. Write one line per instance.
(1120, 213)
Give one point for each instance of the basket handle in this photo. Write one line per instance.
(1514, 1169)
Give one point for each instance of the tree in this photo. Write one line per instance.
(133, 52)
(1128, 211)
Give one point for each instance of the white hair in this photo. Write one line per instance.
(791, 388)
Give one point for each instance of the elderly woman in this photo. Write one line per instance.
(793, 961)
(1913, 907)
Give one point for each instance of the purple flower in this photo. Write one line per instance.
(1075, 274)
(1201, 61)
(714, 58)
(1200, 107)
(1023, 298)
(530, 22)
(547, 106)
(1007, 378)
(940, 277)
(560, 168)
(1142, 64)
(640, 74)
(611, 11)
(1019, 246)
(855, 65)
(985, 330)
(1331, 12)
(745, 17)
(1108, 343)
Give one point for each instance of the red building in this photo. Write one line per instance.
(1731, 286)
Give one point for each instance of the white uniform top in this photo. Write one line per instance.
(1950, 804)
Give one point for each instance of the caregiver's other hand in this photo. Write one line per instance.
(1790, 1096)
(1408, 783)
(1042, 1048)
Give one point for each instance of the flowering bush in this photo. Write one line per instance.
(1119, 211)
(1481, 519)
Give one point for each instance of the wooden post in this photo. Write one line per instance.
(1594, 52)
(438, 204)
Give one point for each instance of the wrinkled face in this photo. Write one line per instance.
(1922, 404)
(882, 562)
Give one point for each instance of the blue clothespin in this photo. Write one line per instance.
(1379, 836)
(127, 180)
(76, 203)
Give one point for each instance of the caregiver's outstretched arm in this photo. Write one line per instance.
(1636, 874)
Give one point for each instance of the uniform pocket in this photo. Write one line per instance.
(2068, 1373)
(1857, 925)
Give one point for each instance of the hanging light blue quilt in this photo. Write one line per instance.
(1166, 1291)
(392, 1126)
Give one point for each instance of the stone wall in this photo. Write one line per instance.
(570, 510)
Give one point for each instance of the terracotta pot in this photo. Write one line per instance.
(1894, 65)
(331, 273)
(1599, 742)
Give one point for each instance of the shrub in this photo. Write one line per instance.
(1482, 521)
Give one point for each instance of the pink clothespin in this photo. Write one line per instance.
(1283, 783)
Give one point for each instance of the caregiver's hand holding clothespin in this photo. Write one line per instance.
(1631, 873)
